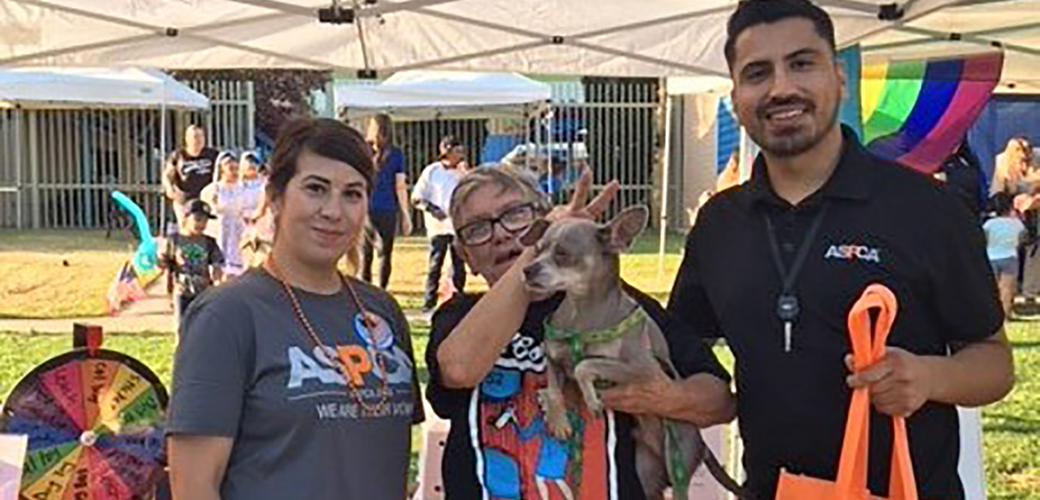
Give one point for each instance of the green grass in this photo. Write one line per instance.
(1011, 427)
(66, 274)
(58, 274)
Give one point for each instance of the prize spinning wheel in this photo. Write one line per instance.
(95, 424)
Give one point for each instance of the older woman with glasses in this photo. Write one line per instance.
(487, 364)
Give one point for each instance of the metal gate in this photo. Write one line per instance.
(618, 121)
(12, 203)
(230, 123)
(64, 164)
(59, 166)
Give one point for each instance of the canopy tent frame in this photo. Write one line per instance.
(539, 39)
(972, 37)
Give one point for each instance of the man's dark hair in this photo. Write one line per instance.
(752, 13)
(448, 143)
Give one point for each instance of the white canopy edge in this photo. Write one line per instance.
(77, 88)
(442, 94)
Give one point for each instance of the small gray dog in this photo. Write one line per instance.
(601, 334)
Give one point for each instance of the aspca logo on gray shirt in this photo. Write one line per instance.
(319, 366)
(853, 253)
(314, 375)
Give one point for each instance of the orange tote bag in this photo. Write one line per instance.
(868, 346)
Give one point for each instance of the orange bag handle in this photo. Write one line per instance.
(868, 347)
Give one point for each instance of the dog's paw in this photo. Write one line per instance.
(593, 402)
(560, 429)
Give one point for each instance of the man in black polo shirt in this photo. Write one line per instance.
(189, 169)
(824, 212)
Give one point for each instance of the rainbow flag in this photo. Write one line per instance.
(917, 112)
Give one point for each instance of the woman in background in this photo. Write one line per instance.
(1013, 172)
(388, 205)
(259, 232)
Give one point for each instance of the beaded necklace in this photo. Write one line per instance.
(339, 359)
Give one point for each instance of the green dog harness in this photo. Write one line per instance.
(577, 341)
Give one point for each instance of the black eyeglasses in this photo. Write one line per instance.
(481, 231)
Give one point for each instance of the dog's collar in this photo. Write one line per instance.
(576, 341)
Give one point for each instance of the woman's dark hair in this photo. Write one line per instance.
(382, 151)
(751, 13)
(1001, 203)
(321, 136)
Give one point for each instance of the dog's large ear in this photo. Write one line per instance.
(622, 230)
(534, 233)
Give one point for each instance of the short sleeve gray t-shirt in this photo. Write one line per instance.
(246, 369)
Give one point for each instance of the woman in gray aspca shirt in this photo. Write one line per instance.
(293, 381)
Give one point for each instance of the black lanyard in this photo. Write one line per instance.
(787, 307)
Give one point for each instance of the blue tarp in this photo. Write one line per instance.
(729, 134)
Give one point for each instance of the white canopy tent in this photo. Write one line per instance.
(443, 94)
(79, 88)
(587, 37)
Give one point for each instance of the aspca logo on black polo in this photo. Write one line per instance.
(853, 253)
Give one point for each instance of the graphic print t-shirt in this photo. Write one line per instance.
(194, 256)
(194, 172)
(499, 446)
(245, 369)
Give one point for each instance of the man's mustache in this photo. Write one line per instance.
(768, 107)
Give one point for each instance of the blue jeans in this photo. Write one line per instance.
(440, 246)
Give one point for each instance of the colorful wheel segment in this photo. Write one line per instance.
(95, 427)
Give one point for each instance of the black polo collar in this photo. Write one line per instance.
(851, 180)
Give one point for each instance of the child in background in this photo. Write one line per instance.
(1004, 233)
(193, 258)
(259, 233)
(253, 183)
(228, 197)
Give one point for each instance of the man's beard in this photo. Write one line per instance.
(786, 146)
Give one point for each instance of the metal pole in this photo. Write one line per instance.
(34, 169)
(160, 227)
(17, 115)
(666, 160)
(549, 150)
